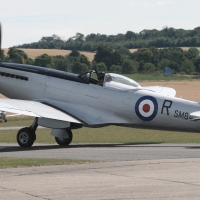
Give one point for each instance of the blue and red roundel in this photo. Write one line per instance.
(146, 108)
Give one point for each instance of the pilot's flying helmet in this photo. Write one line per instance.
(101, 75)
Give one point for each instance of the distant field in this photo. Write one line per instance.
(33, 53)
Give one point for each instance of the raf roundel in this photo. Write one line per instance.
(146, 108)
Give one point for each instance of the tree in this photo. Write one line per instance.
(187, 66)
(103, 54)
(79, 68)
(60, 63)
(130, 35)
(2, 56)
(167, 37)
(128, 67)
(197, 64)
(163, 64)
(30, 61)
(84, 59)
(76, 57)
(101, 67)
(44, 60)
(16, 55)
(116, 69)
(149, 67)
(192, 53)
(141, 66)
(143, 55)
(79, 37)
(116, 57)
(74, 53)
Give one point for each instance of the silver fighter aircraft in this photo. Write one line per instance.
(64, 101)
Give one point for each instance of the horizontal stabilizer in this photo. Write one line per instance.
(195, 115)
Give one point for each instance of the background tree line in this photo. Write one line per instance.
(167, 37)
(144, 60)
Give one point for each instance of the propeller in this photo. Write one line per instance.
(0, 36)
(22, 58)
(0, 40)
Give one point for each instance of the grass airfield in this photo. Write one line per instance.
(109, 135)
(105, 135)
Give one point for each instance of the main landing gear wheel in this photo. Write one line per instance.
(26, 137)
(65, 141)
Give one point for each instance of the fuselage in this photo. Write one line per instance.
(134, 107)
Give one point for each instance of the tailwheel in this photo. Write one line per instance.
(65, 141)
(26, 137)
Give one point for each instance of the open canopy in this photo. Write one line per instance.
(111, 80)
(119, 82)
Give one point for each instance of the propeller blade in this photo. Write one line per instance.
(0, 36)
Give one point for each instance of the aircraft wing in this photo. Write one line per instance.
(166, 91)
(35, 109)
(63, 111)
(90, 115)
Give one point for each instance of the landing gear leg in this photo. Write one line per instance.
(26, 136)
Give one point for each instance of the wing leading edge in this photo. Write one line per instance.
(64, 111)
(35, 109)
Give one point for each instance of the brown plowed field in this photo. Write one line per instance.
(189, 90)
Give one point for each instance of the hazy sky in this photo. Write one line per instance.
(26, 21)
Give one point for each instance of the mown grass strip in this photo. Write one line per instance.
(30, 162)
(18, 121)
(111, 135)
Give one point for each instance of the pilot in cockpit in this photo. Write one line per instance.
(100, 77)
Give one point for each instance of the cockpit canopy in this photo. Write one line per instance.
(111, 80)
(117, 81)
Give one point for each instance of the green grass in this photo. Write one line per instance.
(18, 121)
(106, 135)
(29, 162)
(146, 77)
(110, 134)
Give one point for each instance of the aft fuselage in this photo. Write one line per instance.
(137, 108)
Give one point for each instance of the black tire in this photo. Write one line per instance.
(65, 141)
(25, 137)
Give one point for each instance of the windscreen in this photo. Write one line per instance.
(121, 79)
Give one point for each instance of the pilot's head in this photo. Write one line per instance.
(100, 77)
